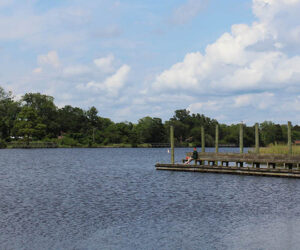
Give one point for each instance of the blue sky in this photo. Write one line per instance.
(230, 60)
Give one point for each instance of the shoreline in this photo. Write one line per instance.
(94, 146)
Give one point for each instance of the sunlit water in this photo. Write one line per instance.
(115, 199)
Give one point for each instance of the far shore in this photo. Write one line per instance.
(271, 149)
(39, 144)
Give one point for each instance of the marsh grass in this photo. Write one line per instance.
(279, 149)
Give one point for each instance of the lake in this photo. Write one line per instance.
(115, 199)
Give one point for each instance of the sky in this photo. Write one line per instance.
(233, 60)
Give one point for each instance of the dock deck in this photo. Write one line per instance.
(242, 164)
(291, 173)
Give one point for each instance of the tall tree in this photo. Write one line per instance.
(92, 116)
(72, 120)
(9, 110)
(29, 125)
(45, 109)
(151, 130)
(268, 130)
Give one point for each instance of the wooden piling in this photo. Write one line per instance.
(241, 139)
(217, 139)
(289, 138)
(256, 139)
(172, 143)
(202, 139)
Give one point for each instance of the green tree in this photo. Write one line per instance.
(45, 109)
(29, 125)
(9, 110)
(92, 117)
(268, 130)
(72, 120)
(187, 127)
(150, 130)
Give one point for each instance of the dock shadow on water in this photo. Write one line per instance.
(115, 199)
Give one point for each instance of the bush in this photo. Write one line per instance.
(2, 144)
(67, 141)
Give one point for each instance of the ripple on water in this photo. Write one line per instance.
(115, 199)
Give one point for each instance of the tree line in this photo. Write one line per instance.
(36, 118)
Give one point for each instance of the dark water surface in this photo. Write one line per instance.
(115, 199)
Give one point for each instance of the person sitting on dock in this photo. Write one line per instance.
(194, 157)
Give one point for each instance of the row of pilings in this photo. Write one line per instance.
(241, 139)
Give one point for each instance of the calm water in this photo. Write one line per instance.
(115, 199)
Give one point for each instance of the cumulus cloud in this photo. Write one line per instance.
(116, 81)
(244, 73)
(235, 61)
(85, 83)
(111, 85)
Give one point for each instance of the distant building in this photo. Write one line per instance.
(297, 142)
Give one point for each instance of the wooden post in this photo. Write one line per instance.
(289, 138)
(172, 143)
(217, 139)
(241, 139)
(256, 139)
(202, 139)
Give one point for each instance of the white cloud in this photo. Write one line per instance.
(181, 75)
(234, 62)
(49, 59)
(245, 73)
(85, 81)
(111, 85)
(116, 81)
(105, 64)
(260, 100)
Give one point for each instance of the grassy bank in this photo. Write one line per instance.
(279, 149)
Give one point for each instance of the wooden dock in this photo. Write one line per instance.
(231, 170)
(242, 164)
(276, 165)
